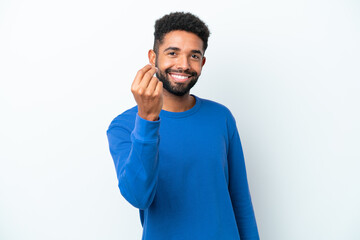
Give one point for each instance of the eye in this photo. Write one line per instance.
(172, 53)
(194, 56)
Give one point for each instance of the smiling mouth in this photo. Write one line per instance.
(179, 78)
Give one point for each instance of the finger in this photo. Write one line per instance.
(152, 85)
(140, 74)
(159, 88)
(146, 78)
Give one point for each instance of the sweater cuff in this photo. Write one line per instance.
(145, 130)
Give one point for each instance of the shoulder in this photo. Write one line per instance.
(125, 119)
(216, 108)
(220, 112)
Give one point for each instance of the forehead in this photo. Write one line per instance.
(182, 40)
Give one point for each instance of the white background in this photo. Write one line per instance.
(288, 70)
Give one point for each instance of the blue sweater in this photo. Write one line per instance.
(185, 173)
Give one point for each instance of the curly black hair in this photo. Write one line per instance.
(180, 21)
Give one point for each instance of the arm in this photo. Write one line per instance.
(239, 191)
(135, 156)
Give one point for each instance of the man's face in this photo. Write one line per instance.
(179, 60)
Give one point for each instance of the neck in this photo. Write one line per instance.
(173, 103)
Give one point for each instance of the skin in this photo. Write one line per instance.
(180, 52)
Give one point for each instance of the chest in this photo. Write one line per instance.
(191, 149)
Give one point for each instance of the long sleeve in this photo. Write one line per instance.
(239, 191)
(135, 153)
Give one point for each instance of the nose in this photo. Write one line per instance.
(182, 63)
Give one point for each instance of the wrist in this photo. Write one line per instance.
(149, 117)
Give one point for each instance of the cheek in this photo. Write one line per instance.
(196, 67)
(165, 63)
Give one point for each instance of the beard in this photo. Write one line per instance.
(178, 89)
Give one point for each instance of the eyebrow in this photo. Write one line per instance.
(197, 51)
(178, 49)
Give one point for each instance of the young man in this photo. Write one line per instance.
(178, 157)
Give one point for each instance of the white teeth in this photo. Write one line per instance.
(179, 76)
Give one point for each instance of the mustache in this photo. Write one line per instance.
(192, 74)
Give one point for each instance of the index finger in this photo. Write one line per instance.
(140, 74)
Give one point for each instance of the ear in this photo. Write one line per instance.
(203, 61)
(152, 57)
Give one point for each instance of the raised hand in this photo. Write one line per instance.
(148, 93)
